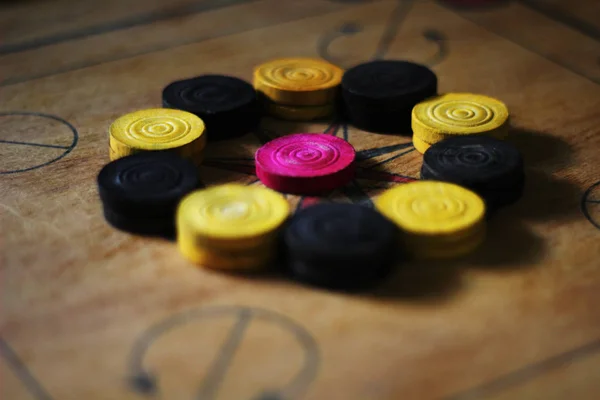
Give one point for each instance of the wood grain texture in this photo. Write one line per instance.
(92, 313)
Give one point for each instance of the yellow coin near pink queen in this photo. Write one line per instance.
(158, 129)
(230, 226)
(436, 219)
(456, 114)
(298, 81)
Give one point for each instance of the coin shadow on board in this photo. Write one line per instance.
(541, 150)
(272, 274)
(546, 198)
(509, 245)
(426, 282)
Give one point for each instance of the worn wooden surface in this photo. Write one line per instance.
(517, 320)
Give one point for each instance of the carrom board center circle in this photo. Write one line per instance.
(31, 140)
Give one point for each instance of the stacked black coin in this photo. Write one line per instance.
(490, 167)
(379, 96)
(140, 193)
(339, 246)
(228, 106)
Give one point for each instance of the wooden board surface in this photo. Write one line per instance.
(92, 313)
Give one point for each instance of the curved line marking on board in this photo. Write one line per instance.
(68, 149)
(585, 202)
(527, 373)
(390, 31)
(144, 382)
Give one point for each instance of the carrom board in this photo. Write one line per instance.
(92, 313)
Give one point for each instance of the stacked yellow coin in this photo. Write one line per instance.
(231, 227)
(299, 89)
(457, 114)
(437, 220)
(158, 129)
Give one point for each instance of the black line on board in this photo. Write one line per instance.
(22, 372)
(345, 131)
(585, 201)
(125, 23)
(562, 17)
(34, 144)
(529, 48)
(387, 160)
(528, 372)
(48, 116)
(379, 151)
(397, 16)
(334, 127)
(214, 377)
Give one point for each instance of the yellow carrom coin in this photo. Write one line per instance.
(421, 252)
(301, 113)
(441, 242)
(455, 114)
(432, 208)
(157, 129)
(298, 81)
(225, 259)
(231, 215)
(420, 145)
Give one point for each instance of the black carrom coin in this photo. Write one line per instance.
(140, 193)
(228, 106)
(339, 246)
(379, 96)
(490, 167)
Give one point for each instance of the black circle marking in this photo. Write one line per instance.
(144, 382)
(587, 201)
(67, 149)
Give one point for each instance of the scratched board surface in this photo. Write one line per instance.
(88, 312)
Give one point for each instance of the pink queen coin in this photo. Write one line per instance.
(305, 163)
